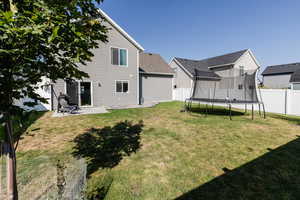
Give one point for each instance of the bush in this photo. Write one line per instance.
(98, 187)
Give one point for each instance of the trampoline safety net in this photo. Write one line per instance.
(240, 89)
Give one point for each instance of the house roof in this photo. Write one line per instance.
(206, 74)
(295, 77)
(206, 64)
(281, 69)
(154, 64)
(124, 33)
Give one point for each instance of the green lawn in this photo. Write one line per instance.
(173, 154)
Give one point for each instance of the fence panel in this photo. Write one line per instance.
(275, 100)
(293, 105)
(181, 94)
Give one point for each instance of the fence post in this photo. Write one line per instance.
(285, 102)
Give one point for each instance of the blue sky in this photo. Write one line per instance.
(206, 28)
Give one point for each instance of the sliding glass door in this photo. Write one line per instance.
(80, 93)
(85, 94)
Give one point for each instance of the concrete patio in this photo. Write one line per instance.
(145, 105)
(83, 111)
(101, 110)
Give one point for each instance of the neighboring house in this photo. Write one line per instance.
(295, 80)
(120, 74)
(281, 76)
(225, 66)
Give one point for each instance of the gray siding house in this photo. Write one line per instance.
(281, 76)
(156, 78)
(114, 75)
(224, 65)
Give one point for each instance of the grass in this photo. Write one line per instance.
(180, 155)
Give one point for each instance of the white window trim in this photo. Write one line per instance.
(241, 67)
(119, 59)
(79, 93)
(122, 86)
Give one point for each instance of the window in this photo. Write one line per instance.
(122, 86)
(296, 86)
(118, 57)
(242, 70)
(240, 86)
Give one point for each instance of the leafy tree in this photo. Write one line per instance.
(41, 38)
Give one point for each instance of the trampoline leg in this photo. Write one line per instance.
(252, 112)
(187, 105)
(191, 103)
(245, 108)
(206, 109)
(263, 105)
(230, 112)
(259, 109)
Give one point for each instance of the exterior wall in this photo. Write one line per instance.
(277, 81)
(103, 74)
(295, 86)
(247, 62)
(224, 71)
(181, 79)
(155, 88)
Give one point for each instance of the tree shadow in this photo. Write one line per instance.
(275, 175)
(292, 119)
(21, 123)
(214, 111)
(106, 147)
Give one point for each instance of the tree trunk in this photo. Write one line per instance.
(12, 191)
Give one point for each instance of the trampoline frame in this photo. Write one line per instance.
(189, 101)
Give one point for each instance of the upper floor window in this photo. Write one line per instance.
(242, 70)
(118, 57)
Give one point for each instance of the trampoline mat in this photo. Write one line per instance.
(225, 101)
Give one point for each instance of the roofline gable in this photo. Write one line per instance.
(182, 67)
(253, 57)
(122, 31)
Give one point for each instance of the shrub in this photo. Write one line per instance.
(98, 187)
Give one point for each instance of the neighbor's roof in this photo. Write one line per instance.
(124, 33)
(154, 64)
(281, 69)
(206, 74)
(295, 76)
(206, 64)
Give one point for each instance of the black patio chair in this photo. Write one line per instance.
(65, 107)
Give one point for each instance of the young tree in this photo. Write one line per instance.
(41, 38)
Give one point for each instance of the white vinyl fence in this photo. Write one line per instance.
(44, 90)
(275, 100)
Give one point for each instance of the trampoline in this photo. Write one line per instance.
(234, 87)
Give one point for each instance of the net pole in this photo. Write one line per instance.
(245, 92)
(252, 112)
(230, 112)
(263, 105)
(212, 105)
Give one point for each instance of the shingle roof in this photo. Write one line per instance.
(281, 69)
(204, 65)
(207, 74)
(295, 76)
(154, 63)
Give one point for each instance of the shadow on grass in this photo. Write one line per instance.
(275, 175)
(214, 111)
(21, 123)
(292, 119)
(106, 147)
